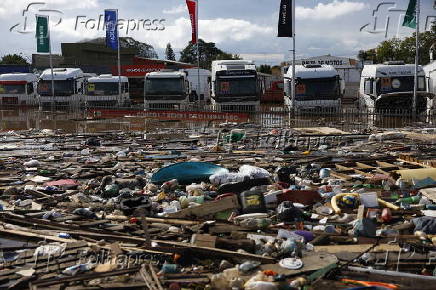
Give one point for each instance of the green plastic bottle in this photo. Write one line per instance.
(409, 200)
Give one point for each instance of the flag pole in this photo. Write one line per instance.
(119, 60)
(198, 57)
(51, 64)
(293, 53)
(415, 87)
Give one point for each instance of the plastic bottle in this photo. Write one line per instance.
(324, 173)
(409, 200)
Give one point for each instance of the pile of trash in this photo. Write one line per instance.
(122, 211)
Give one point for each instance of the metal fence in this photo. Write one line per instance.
(281, 116)
(206, 115)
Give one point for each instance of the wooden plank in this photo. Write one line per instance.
(384, 164)
(214, 252)
(430, 193)
(203, 240)
(356, 248)
(364, 166)
(311, 262)
(340, 175)
(363, 173)
(207, 209)
(343, 168)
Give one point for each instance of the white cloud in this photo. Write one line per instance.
(176, 10)
(329, 11)
(220, 30)
(14, 8)
(260, 58)
(225, 29)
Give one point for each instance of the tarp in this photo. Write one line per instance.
(187, 172)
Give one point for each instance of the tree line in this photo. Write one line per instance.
(397, 49)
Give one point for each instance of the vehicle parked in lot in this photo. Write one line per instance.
(390, 86)
(235, 86)
(166, 90)
(316, 87)
(68, 87)
(103, 91)
(18, 89)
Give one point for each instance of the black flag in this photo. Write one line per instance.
(286, 28)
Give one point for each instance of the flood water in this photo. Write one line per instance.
(82, 121)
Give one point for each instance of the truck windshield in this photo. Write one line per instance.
(229, 87)
(161, 86)
(399, 84)
(100, 89)
(61, 88)
(317, 89)
(12, 89)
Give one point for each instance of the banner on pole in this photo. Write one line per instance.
(410, 17)
(42, 34)
(111, 22)
(193, 14)
(286, 21)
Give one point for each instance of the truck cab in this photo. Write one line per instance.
(316, 87)
(18, 89)
(201, 93)
(68, 87)
(103, 91)
(166, 90)
(390, 86)
(235, 86)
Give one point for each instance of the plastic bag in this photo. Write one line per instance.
(254, 172)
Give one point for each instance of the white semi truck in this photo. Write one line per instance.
(316, 87)
(430, 73)
(18, 89)
(235, 86)
(390, 86)
(166, 90)
(68, 87)
(103, 91)
(202, 93)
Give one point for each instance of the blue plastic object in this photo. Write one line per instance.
(187, 172)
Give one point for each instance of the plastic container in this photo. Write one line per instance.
(324, 173)
(252, 201)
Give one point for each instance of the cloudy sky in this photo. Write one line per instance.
(245, 27)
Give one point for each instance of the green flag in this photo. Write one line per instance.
(42, 34)
(410, 17)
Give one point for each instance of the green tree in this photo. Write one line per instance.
(17, 59)
(264, 68)
(208, 53)
(367, 55)
(402, 49)
(169, 53)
